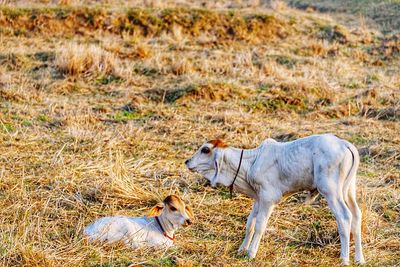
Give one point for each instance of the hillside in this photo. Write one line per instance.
(383, 15)
(100, 106)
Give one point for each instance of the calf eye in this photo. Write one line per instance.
(173, 208)
(205, 150)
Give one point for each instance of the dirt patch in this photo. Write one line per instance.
(212, 91)
(298, 97)
(336, 33)
(388, 48)
(390, 113)
(285, 137)
(369, 104)
(13, 61)
(303, 90)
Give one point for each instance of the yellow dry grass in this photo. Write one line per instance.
(73, 59)
(97, 121)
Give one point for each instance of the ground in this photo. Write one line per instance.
(101, 104)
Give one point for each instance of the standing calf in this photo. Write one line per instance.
(319, 162)
(150, 231)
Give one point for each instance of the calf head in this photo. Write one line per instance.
(175, 210)
(207, 161)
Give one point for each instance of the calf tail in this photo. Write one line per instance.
(351, 176)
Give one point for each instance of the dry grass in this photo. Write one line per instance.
(74, 59)
(98, 121)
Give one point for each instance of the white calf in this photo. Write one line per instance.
(266, 173)
(149, 231)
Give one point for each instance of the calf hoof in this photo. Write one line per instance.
(242, 249)
(345, 263)
(251, 254)
(359, 262)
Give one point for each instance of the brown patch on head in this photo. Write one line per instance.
(175, 201)
(217, 143)
(171, 199)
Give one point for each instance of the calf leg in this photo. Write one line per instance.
(251, 221)
(355, 223)
(343, 219)
(264, 212)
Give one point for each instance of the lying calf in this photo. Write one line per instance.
(319, 162)
(149, 231)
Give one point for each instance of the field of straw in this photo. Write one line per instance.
(101, 102)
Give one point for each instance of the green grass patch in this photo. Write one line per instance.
(14, 13)
(372, 78)
(142, 70)
(265, 86)
(126, 115)
(367, 174)
(26, 123)
(286, 61)
(165, 261)
(108, 79)
(353, 84)
(278, 103)
(43, 118)
(358, 139)
(365, 158)
(44, 56)
(391, 215)
(7, 127)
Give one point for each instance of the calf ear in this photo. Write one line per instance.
(156, 210)
(189, 211)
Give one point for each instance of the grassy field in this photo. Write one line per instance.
(382, 14)
(100, 106)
